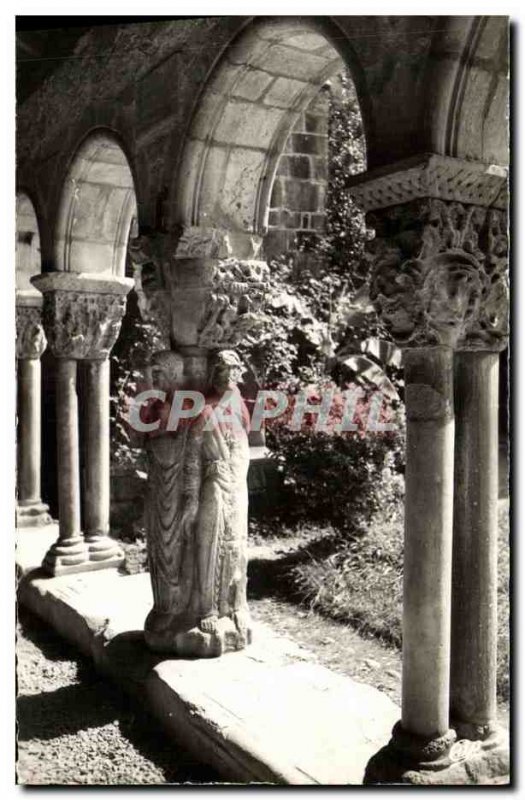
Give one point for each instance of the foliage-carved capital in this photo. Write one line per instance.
(232, 301)
(82, 325)
(30, 338)
(440, 275)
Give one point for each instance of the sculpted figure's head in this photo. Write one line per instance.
(226, 369)
(167, 370)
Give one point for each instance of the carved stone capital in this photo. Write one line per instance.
(198, 242)
(30, 338)
(439, 274)
(82, 315)
(235, 294)
(197, 297)
(151, 276)
(431, 176)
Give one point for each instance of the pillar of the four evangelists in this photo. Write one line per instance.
(82, 316)
(30, 344)
(439, 286)
(197, 503)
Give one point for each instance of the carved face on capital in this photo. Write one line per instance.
(395, 294)
(451, 292)
(167, 370)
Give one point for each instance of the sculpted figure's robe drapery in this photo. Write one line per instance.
(217, 467)
(197, 512)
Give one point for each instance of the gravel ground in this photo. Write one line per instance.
(74, 727)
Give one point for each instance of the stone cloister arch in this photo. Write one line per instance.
(97, 206)
(84, 302)
(268, 75)
(433, 93)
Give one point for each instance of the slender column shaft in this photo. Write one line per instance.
(474, 618)
(97, 480)
(67, 449)
(428, 541)
(28, 450)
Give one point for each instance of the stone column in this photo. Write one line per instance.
(96, 486)
(196, 515)
(82, 316)
(69, 553)
(474, 623)
(475, 559)
(30, 344)
(428, 541)
(430, 280)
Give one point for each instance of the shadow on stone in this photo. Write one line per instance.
(126, 657)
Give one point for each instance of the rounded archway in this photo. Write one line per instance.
(266, 79)
(28, 260)
(97, 208)
(467, 105)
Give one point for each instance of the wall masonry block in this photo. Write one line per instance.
(298, 166)
(288, 62)
(318, 222)
(257, 129)
(280, 92)
(298, 194)
(302, 195)
(314, 144)
(320, 168)
(253, 84)
(316, 122)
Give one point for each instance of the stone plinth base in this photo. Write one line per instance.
(65, 557)
(464, 762)
(198, 644)
(34, 515)
(80, 554)
(103, 551)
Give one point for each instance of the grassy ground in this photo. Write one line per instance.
(361, 584)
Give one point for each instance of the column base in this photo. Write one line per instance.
(67, 556)
(194, 642)
(444, 761)
(32, 515)
(491, 743)
(103, 551)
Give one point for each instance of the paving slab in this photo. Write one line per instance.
(267, 714)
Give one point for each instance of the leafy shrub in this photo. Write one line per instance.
(335, 477)
(136, 342)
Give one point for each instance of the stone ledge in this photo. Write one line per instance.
(267, 714)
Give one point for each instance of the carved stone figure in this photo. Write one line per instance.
(165, 452)
(217, 467)
(197, 515)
